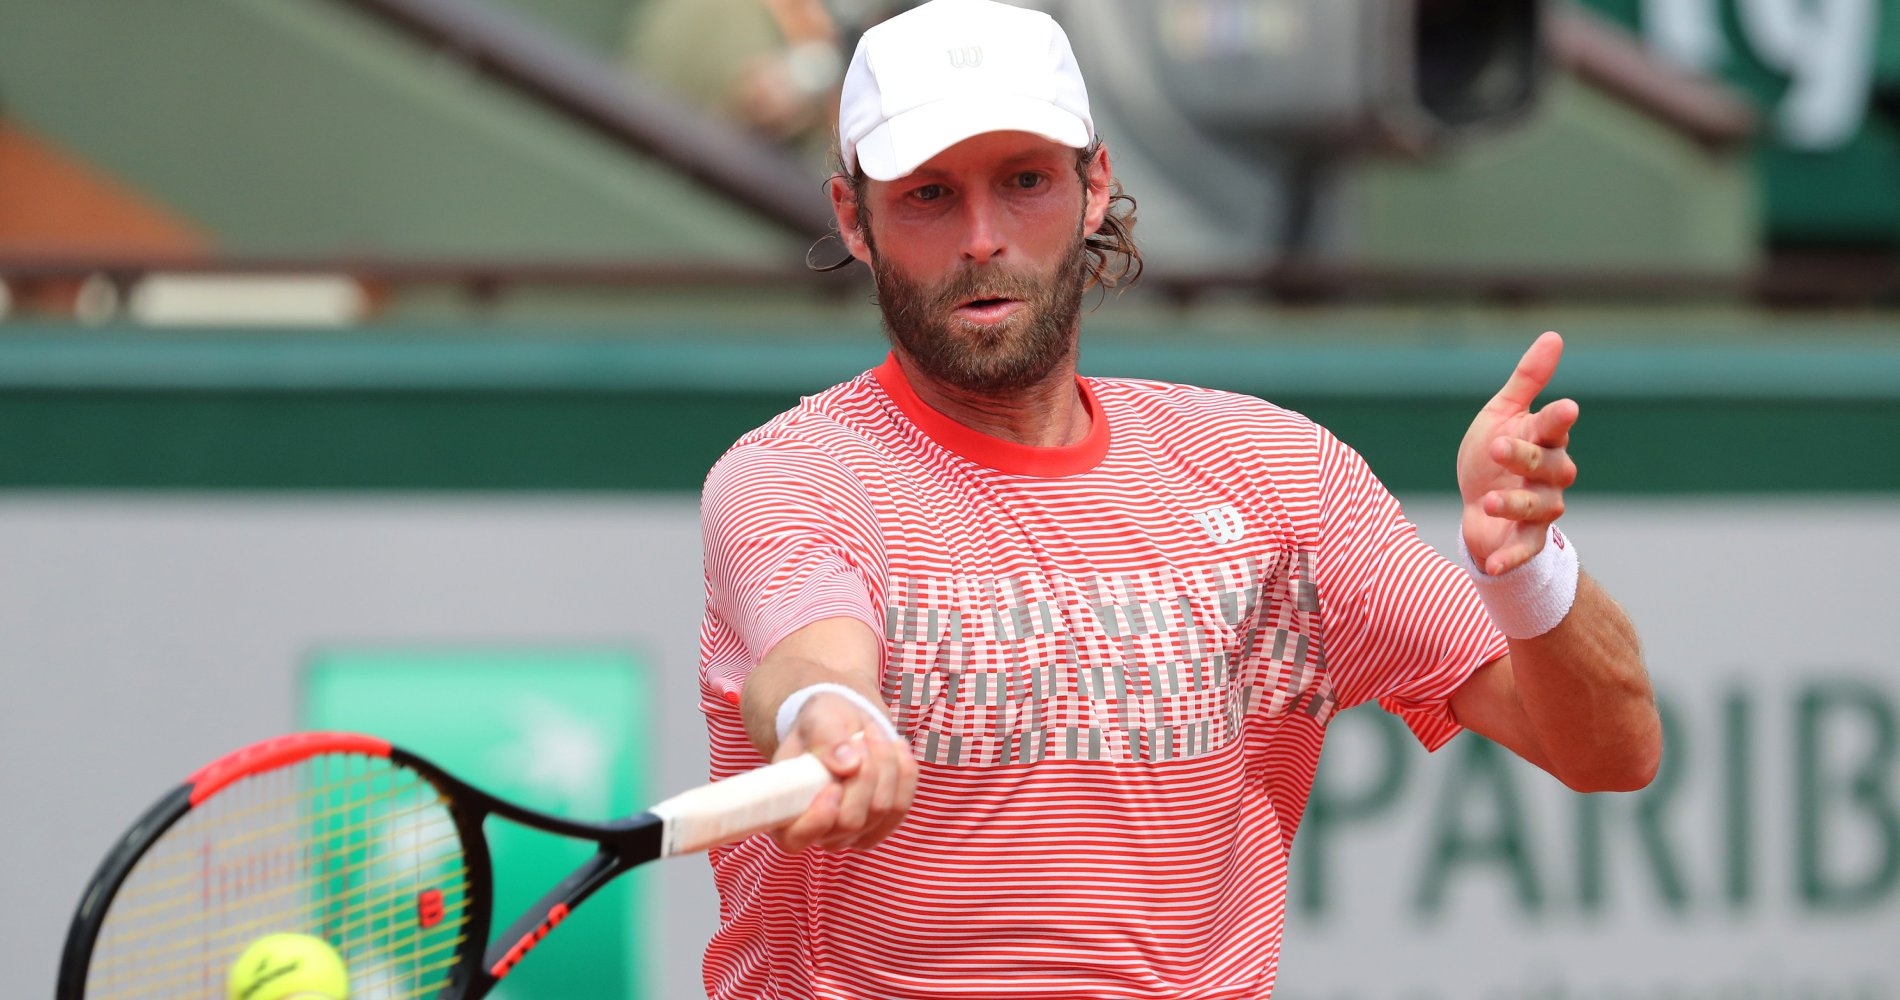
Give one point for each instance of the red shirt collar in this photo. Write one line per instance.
(993, 452)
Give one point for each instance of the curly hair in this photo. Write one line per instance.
(1114, 261)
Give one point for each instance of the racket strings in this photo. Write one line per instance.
(169, 898)
(353, 849)
(362, 909)
(163, 890)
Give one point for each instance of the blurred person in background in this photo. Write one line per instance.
(772, 66)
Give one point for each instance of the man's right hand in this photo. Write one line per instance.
(877, 777)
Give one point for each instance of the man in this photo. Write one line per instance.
(1069, 644)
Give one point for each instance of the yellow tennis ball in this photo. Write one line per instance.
(289, 967)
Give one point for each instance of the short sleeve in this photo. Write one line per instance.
(1403, 624)
(789, 539)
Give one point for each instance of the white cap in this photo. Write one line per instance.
(936, 75)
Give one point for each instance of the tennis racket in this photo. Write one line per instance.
(371, 848)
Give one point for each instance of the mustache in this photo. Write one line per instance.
(986, 282)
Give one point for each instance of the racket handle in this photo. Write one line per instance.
(741, 805)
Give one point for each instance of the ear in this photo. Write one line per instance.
(844, 205)
(1101, 183)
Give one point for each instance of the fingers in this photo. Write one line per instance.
(821, 819)
(894, 798)
(1531, 504)
(813, 823)
(1515, 464)
(877, 778)
(1534, 463)
(1524, 544)
(854, 807)
(1551, 425)
(1533, 373)
(875, 801)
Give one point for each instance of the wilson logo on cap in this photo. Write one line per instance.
(967, 57)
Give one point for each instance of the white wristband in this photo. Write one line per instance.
(1531, 599)
(795, 702)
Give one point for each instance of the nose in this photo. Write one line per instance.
(983, 239)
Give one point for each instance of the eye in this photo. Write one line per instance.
(928, 192)
(1029, 180)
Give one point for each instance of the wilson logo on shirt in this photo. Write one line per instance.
(1222, 523)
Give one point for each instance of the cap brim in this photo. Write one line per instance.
(905, 141)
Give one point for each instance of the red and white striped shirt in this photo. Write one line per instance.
(1114, 663)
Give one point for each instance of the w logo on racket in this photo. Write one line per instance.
(1222, 523)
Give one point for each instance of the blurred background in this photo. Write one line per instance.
(360, 361)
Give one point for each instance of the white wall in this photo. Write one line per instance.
(142, 636)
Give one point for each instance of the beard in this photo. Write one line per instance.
(1016, 353)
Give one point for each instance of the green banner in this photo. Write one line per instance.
(559, 730)
(1825, 75)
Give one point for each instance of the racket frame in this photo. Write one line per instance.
(622, 845)
(480, 963)
(75, 961)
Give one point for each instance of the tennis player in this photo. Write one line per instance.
(1072, 643)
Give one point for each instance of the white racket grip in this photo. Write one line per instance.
(739, 806)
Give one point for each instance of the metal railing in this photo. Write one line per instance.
(1789, 281)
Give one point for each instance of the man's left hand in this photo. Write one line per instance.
(1513, 465)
